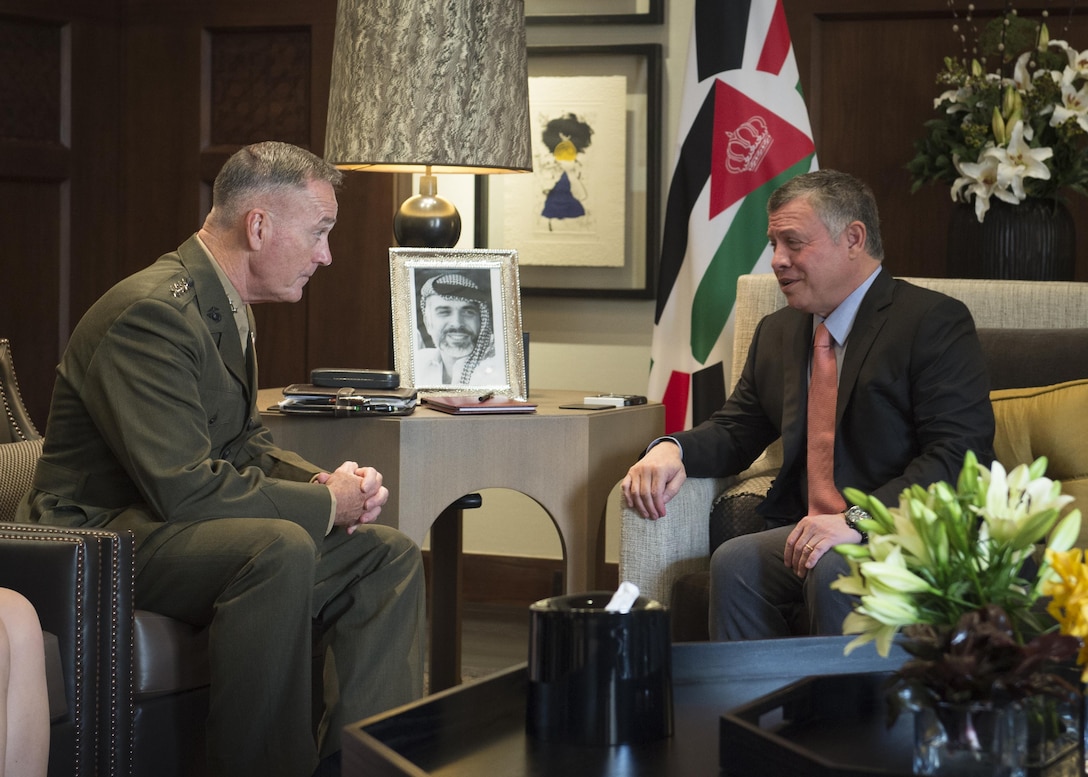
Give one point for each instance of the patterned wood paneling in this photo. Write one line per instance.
(30, 80)
(260, 86)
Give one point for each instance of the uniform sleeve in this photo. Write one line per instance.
(179, 424)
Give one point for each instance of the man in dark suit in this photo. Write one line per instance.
(913, 397)
(154, 428)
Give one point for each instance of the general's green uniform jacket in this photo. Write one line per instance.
(154, 421)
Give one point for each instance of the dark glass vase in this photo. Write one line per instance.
(1032, 241)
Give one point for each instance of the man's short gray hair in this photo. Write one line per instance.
(263, 168)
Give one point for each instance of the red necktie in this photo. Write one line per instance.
(823, 497)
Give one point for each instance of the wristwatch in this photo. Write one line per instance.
(852, 516)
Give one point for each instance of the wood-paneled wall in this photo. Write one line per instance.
(60, 175)
(868, 70)
(122, 113)
(116, 115)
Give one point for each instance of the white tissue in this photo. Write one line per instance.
(623, 599)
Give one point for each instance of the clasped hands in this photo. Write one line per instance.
(359, 494)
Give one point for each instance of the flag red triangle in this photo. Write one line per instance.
(751, 146)
(776, 47)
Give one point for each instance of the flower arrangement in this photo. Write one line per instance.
(1018, 130)
(948, 569)
(1068, 592)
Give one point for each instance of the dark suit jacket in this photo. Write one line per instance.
(154, 419)
(913, 399)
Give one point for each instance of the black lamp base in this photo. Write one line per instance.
(427, 221)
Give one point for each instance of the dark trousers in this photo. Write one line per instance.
(754, 595)
(258, 583)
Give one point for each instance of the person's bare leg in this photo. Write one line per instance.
(25, 705)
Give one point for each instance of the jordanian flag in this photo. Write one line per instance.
(745, 131)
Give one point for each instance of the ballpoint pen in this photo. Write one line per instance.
(487, 396)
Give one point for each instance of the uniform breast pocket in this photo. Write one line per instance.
(227, 413)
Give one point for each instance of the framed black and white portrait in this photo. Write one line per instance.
(457, 320)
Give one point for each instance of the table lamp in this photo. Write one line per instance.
(429, 86)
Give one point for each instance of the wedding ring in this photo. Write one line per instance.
(809, 548)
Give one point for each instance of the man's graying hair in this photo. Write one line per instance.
(838, 199)
(262, 168)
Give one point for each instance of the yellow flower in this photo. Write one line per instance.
(946, 551)
(1066, 582)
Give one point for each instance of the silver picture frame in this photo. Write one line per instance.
(457, 320)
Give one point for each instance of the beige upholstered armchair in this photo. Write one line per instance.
(1034, 333)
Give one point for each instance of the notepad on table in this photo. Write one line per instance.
(473, 404)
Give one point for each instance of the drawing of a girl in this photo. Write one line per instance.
(566, 138)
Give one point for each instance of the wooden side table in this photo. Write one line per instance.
(568, 461)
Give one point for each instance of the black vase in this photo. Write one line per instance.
(1034, 240)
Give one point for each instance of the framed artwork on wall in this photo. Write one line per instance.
(457, 320)
(585, 221)
(594, 11)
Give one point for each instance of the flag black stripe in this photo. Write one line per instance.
(688, 180)
(720, 30)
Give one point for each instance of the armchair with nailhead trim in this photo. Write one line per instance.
(128, 688)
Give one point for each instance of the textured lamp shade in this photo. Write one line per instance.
(429, 86)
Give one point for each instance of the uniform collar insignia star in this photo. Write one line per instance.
(177, 288)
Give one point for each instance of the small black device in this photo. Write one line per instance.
(341, 377)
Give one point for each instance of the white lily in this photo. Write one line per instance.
(1021, 75)
(868, 629)
(1078, 60)
(1011, 495)
(1074, 105)
(908, 537)
(853, 584)
(879, 613)
(1015, 501)
(957, 99)
(890, 609)
(980, 179)
(1018, 161)
(892, 575)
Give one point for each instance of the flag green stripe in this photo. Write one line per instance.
(738, 253)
